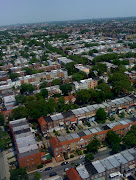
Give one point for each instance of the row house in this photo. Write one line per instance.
(28, 154)
(6, 90)
(71, 142)
(89, 112)
(113, 167)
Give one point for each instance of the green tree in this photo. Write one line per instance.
(21, 99)
(13, 76)
(89, 157)
(44, 93)
(2, 120)
(18, 174)
(100, 115)
(56, 82)
(66, 88)
(43, 85)
(27, 88)
(93, 146)
(37, 176)
(79, 76)
(19, 112)
(129, 140)
(83, 96)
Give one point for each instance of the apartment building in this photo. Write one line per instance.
(74, 141)
(85, 84)
(28, 154)
(60, 120)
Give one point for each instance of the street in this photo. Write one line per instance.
(60, 169)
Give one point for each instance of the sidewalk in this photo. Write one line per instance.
(53, 164)
(6, 165)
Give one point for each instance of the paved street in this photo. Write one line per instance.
(60, 169)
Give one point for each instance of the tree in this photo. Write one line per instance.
(43, 85)
(37, 176)
(19, 112)
(92, 147)
(18, 174)
(79, 76)
(100, 115)
(120, 82)
(44, 93)
(21, 99)
(66, 88)
(89, 157)
(13, 76)
(2, 120)
(26, 88)
(91, 74)
(129, 140)
(56, 82)
(83, 96)
(113, 141)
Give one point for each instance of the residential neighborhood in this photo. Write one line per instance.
(68, 100)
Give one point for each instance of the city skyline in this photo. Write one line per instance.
(46, 11)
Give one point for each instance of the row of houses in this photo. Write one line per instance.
(54, 122)
(114, 167)
(71, 142)
(28, 151)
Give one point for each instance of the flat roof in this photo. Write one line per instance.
(87, 132)
(98, 166)
(75, 135)
(120, 158)
(93, 130)
(91, 108)
(113, 161)
(127, 155)
(80, 134)
(106, 164)
(82, 172)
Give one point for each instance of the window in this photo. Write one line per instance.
(57, 149)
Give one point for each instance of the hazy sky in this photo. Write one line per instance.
(27, 11)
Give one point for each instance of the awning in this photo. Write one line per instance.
(132, 104)
(73, 120)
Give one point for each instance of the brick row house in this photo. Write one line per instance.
(60, 120)
(71, 142)
(28, 154)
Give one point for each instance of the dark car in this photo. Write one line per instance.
(53, 174)
(48, 168)
(64, 163)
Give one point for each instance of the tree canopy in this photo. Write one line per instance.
(18, 174)
(66, 88)
(100, 115)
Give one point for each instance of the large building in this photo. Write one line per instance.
(28, 154)
(71, 142)
(60, 120)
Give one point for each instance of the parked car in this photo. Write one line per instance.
(64, 163)
(77, 164)
(53, 174)
(40, 171)
(81, 157)
(48, 168)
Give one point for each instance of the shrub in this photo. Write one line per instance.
(79, 152)
(71, 155)
(40, 166)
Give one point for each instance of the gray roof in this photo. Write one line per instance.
(127, 155)
(74, 135)
(93, 130)
(91, 108)
(120, 158)
(85, 109)
(98, 166)
(113, 161)
(87, 132)
(61, 138)
(82, 172)
(107, 165)
(68, 137)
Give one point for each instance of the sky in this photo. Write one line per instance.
(31, 11)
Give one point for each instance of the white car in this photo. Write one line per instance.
(40, 171)
(66, 169)
(81, 157)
